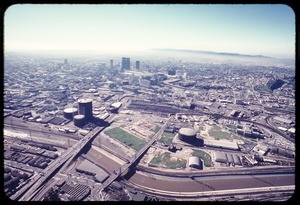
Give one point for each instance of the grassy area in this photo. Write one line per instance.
(167, 137)
(264, 88)
(126, 138)
(204, 156)
(217, 133)
(155, 130)
(166, 140)
(165, 160)
(231, 127)
(168, 134)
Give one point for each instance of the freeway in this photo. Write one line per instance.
(267, 119)
(141, 179)
(30, 190)
(136, 157)
(245, 120)
(221, 172)
(196, 112)
(194, 186)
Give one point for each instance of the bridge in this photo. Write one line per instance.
(135, 158)
(35, 184)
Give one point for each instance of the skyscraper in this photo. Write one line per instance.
(66, 62)
(125, 63)
(111, 64)
(137, 65)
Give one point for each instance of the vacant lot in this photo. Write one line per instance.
(167, 137)
(126, 138)
(155, 130)
(166, 161)
(217, 133)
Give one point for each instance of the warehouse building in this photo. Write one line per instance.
(224, 144)
(75, 192)
(89, 168)
(227, 158)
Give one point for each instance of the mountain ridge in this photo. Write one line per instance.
(210, 52)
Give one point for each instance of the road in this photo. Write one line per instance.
(34, 127)
(137, 156)
(210, 183)
(141, 180)
(245, 120)
(267, 119)
(29, 190)
(199, 112)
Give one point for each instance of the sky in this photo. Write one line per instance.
(246, 29)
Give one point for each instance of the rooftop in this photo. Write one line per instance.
(187, 131)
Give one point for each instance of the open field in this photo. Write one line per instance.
(126, 138)
(167, 137)
(217, 133)
(166, 161)
(155, 130)
(204, 156)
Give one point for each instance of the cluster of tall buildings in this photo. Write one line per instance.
(126, 64)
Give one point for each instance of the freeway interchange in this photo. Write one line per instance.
(35, 185)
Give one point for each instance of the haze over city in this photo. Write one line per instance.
(247, 29)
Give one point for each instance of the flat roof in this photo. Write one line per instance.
(221, 143)
(116, 104)
(87, 166)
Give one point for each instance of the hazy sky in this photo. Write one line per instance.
(247, 29)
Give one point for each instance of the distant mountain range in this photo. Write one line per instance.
(210, 52)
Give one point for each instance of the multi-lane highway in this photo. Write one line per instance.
(199, 112)
(157, 184)
(177, 186)
(136, 157)
(32, 187)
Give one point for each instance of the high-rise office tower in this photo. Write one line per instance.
(111, 64)
(125, 63)
(137, 65)
(66, 62)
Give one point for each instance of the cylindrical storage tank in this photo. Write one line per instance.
(79, 120)
(70, 112)
(85, 107)
(187, 135)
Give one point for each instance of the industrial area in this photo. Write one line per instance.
(159, 130)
